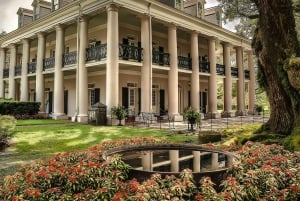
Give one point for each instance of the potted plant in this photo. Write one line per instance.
(192, 116)
(119, 112)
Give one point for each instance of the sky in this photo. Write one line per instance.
(9, 8)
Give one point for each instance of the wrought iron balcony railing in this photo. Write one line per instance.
(234, 72)
(6, 73)
(96, 53)
(18, 70)
(204, 66)
(129, 52)
(70, 58)
(160, 58)
(220, 68)
(185, 62)
(32, 67)
(247, 74)
(49, 63)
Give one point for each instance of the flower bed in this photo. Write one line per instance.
(262, 173)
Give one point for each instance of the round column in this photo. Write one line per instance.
(197, 161)
(227, 81)
(58, 109)
(240, 82)
(82, 73)
(173, 73)
(112, 66)
(12, 65)
(40, 97)
(2, 64)
(24, 78)
(174, 158)
(147, 160)
(146, 71)
(251, 83)
(212, 82)
(195, 72)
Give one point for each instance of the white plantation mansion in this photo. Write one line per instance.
(147, 55)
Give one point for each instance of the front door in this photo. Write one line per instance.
(66, 95)
(203, 102)
(162, 101)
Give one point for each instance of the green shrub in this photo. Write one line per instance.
(7, 126)
(19, 108)
(192, 116)
(119, 112)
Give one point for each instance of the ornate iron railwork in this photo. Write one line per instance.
(70, 58)
(6, 73)
(18, 70)
(204, 66)
(220, 69)
(185, 62)
(247, 74)
(129, 52)
(234, 72)
(161, 58)
(96, 53)
(49, 63)
(32, 67)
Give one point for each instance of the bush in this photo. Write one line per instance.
(19, 108)
(192, 116)
(7, 126)
(120, 113)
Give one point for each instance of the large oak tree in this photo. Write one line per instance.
(275, 42)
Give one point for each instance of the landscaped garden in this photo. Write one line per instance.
(62, 160)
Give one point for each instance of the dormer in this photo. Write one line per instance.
(25, 16)
(41, 8)
(214, 15)
(57, 4)
(194, 7)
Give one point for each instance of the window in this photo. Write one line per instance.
(199, 10)
(55, 4)
(36, 11)
(131, 97)
(178, 4)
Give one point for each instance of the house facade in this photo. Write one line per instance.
(147, 55)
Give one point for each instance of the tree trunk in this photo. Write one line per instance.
(275, 41)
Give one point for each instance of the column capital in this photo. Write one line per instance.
(25, 41)
(212, 38)
(83, 18)
(112, 7)
(250, 52)
(194, 32)
(59, 27)
(226, 44)
(172, 26)
(41, 35)
(238, 48)
(12, 46)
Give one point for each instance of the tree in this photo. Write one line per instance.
(274, 42)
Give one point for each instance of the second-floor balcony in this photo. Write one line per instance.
(234, 72)
(32, 67)
(6, 73)
(247, 74)
(49, 63)
(96, 53)
(70, 58)
(130, 52)
(220, 68)
(18, 70)
(204, 66)
(185, 62)
(160, 58)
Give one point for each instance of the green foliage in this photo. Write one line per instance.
(7, 127)
(192, 116)
(19, 108)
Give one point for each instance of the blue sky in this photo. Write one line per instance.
(9, 8)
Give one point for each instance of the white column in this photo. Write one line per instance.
(212, 82)
(214, 161)
(229, 161)
(173, 73)
(112, 66)
(2, 63)
(240, 82)
(12, 65)
(174, 158)
(24, 78)
(227, 81)
(197, 161)
(82, 73)
(40, 97)
(195, 72)
(146, 72)
(147, 160)
(251, 83)
(58, 109)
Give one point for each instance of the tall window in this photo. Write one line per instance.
(199, 10)
(36, 11)
(131, 97)
(55, 4)
(178, 4)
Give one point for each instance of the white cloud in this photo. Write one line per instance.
(8, 14)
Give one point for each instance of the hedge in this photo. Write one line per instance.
(19, 108)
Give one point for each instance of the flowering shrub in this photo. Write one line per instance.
(264, 172)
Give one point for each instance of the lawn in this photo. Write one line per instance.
(36, 139)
